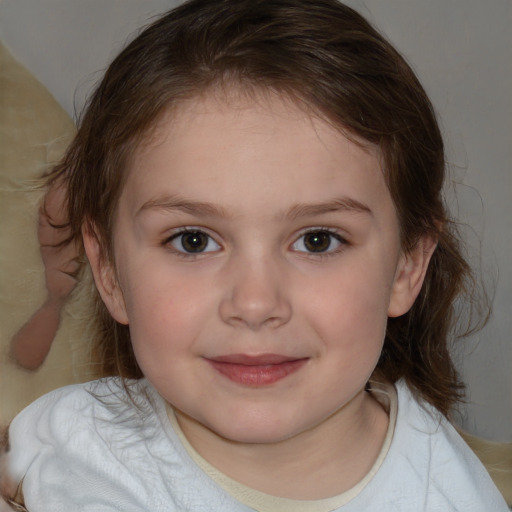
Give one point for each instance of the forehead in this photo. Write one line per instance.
(227, 146)
(252, 107)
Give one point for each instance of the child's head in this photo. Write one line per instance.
(319, 58)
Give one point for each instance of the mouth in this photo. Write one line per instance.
(256, 371)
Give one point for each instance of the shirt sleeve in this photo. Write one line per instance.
(62, 455)
(458, 474)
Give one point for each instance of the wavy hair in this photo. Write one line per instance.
(326, 57)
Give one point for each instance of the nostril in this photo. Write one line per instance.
(267, 311)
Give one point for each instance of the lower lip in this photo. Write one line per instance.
(257, 375)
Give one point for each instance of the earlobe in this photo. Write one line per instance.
(104, 277)
(410, 275)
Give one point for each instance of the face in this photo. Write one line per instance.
(257, 260)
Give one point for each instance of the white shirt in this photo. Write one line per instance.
(87, 448)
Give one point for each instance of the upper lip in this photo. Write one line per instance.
(254, 360)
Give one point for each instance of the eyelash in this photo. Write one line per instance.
(327, 252)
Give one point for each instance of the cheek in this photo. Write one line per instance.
(350, 308)
(161, 330)
(165, 312)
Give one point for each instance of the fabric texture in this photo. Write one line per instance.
(34, 132)
(89, 448)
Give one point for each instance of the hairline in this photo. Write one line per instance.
(227, 91)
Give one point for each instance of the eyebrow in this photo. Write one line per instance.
(343, 204)
(198, 208)
(204, 209)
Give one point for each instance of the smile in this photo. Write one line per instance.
(256, 371)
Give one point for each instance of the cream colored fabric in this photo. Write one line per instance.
(34, 130)
(497, 458)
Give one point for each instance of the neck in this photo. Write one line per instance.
(323, 461)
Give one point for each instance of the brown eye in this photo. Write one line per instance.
(194, 242)
(318, 241)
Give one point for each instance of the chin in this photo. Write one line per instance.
(256, 431)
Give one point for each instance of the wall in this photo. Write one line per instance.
(462, 51)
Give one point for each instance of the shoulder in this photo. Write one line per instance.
(73, 407)
(420, 422)
(104, 446)
(79, 434)
(438, 461)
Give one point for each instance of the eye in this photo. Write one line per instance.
(193, 242)
(318, 241)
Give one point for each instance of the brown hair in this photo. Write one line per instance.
(325, 56)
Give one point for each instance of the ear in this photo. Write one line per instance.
(104, 277)
(410, 275)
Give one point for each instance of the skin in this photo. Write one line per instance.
(254, 175)
(32, 343)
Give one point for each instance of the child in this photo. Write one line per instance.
(257, 187)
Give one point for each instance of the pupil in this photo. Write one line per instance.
(318, 241)
(194, 242)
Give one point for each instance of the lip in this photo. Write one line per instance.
(256, 371)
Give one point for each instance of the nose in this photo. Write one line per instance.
(256, 296)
